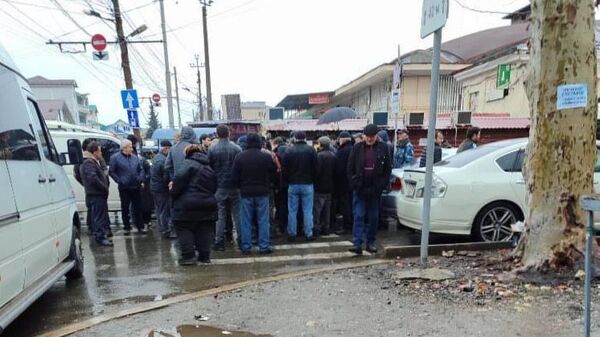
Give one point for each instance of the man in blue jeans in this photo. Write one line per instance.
(369, 169)
(299, 172)
(253, 173)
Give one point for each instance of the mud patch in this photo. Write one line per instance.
(199, 331)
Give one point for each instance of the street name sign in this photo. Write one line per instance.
(434, 17)
(503, 76)
(572, 96)
(132, 117)
(129, 99)
(99, 42)
(100, 55)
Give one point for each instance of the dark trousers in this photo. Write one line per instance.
(281, 209)
(345, 207)
(366, 218)
(162, 202)
(321, 212)
(131, 198)
(100, 222)
(195, 236)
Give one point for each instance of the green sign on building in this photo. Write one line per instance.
(503, 76)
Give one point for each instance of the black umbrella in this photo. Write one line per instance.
(335, 115)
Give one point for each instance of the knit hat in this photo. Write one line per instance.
(300, 135)
(165, 143)
(371, 130)
(344, 134)
(253, 140)
(324, 141)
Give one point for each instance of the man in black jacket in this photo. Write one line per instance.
(253, 173)
(343, 189)
(95, 182)
(369, 169)
(324, 186)
(159, 186)
(281, 195)
(299, 172)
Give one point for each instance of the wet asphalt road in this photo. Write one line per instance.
(142, 268)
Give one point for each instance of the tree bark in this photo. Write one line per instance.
(562, 148)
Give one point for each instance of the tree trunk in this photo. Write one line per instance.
(562, 147)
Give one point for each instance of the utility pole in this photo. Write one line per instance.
(198, 65)
(122, 46)
(167, 68)
(177, 94)
(209, 106)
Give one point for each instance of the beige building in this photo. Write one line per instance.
(254, 111)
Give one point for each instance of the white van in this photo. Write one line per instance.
(110, 145)
(39, 223)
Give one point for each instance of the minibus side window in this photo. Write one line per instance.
(46, 141)
(17, 139)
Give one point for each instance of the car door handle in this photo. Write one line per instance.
(520, 182)
(52, 179)
(42, 180)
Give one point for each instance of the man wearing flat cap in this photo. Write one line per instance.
(369, 169)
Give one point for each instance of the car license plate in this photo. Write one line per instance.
(410, 190)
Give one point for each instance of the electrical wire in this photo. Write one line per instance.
(38, 6)
(482, 11)
(59, 6)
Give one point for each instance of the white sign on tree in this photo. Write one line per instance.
(435, 14)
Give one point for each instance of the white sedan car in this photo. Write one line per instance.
(479, 192)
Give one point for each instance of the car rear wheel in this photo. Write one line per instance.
(76, 255)
(493, 223)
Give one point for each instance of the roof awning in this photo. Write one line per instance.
(305, 101)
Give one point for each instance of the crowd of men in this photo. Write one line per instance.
(206, 193)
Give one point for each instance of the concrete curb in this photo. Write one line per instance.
(143, 307)
(391, 252)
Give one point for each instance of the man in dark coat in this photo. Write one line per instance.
(159, 185)
(369, 169)
(194, 206)
(299, 172)
(95, 182)
(127, 171)
(254, 172)
(176, 157)
(221, 155)
(281, 195)
(343, 189)
(324, 186)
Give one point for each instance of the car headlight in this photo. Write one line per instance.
(438, 189)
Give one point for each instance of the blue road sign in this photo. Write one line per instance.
(130, 99)
(132, 117)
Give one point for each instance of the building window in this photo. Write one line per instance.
(474, 101)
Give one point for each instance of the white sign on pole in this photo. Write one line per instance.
(435, 14)
(396, 100)
(397, 75)
(571, 96)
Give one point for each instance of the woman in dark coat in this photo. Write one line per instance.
(195, 206)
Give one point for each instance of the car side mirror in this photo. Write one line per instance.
(75, 153)
(62, 159)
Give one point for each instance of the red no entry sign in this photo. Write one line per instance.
(99, 42)
(156, 98)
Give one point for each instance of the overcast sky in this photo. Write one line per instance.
(261, 49)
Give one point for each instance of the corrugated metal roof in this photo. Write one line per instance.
(311, 125)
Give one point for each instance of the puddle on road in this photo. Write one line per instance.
(200, 331)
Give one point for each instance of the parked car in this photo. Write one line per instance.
(389, 198)
(110, 145)
(39, 223)
(479, 192)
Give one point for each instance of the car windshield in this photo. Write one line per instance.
(466, 157)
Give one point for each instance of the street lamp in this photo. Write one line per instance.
(92, 12)
(138, 31)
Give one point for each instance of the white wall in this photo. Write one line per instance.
(58, 92)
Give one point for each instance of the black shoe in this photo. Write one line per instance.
(266, 251)
(246, 252)
(187, 262)
(105, 243)
(310, 238)
(371, 249)
(110, 234)
(219, 247)
(172, 236)
(127, 232)
(205, 260)
(291, 238)
(325, 233)
(142, 231)
(356, 250)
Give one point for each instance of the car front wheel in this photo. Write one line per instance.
(76, 255)
(493, 223)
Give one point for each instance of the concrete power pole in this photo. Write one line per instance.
(122, 45)
(209, 106)
(198, 65)
(177, 97)
(167, 68)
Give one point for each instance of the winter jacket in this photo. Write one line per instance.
(127, 171)
(159, 179)
(342, 184)
(221, 156)
(404, 154)
(194, 188)
(325, 182)
(176, 156)
(300, 164)
(467, 144)
(253, 172)
(437, 155)
(93, 177)
(76, 171)
(381, 174)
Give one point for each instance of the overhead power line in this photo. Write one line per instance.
(482, 11)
